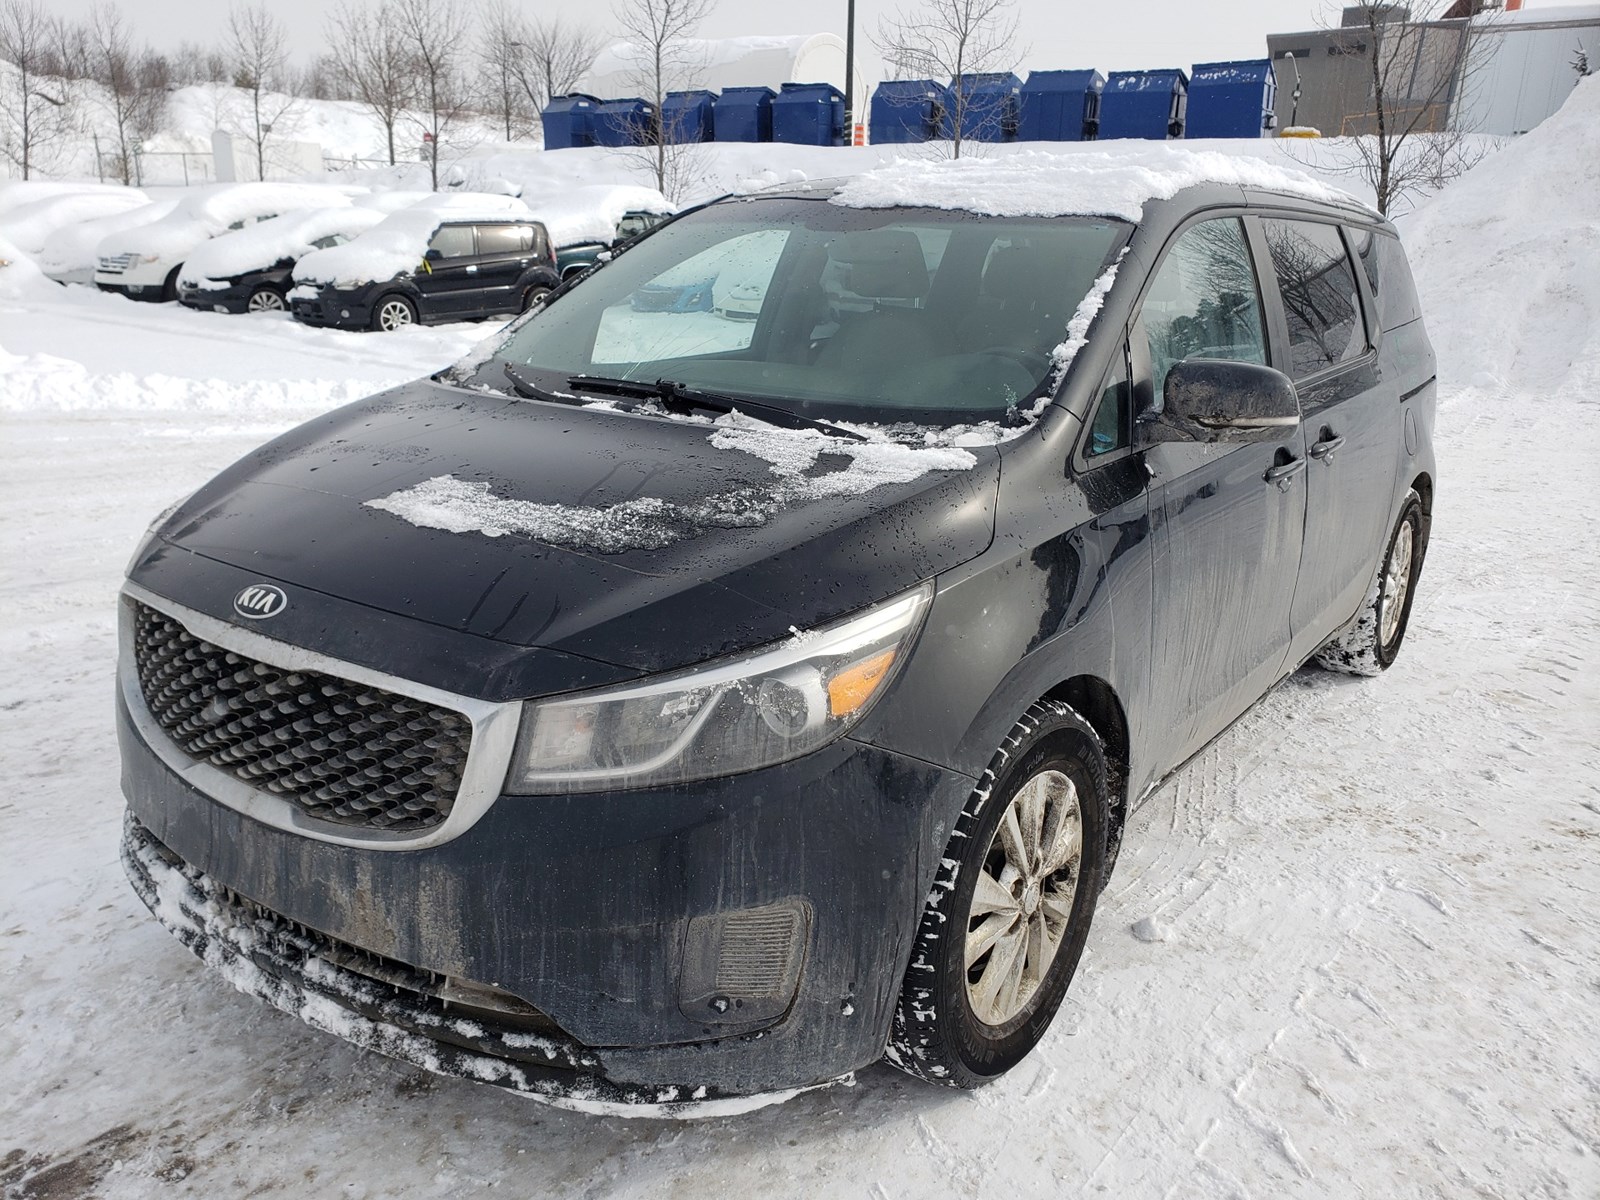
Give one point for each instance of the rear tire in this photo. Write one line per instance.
(533, 296)
(1372, 642)
(392, 313)
(1009, 912)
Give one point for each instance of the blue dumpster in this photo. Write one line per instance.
(906, 110)
(688, 117)
(1144, 104)
(1060, 106)
(987, 105)
(744, 114)
(569, 121)
(630, 122)
(1231, 99)
(808, 114)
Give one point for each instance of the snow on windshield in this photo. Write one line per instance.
(398, 243)
(1104, 184)
(649, 523)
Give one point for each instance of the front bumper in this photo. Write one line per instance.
(590, 911)
(330, 309)
(235, 298)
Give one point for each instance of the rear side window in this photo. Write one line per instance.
(505, 239)
(1320, 301)
(1204, 301)
(1389, 275)
(453, 241)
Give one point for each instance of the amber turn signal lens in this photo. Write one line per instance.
(853, 686)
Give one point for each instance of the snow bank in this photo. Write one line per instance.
(208, 211)
(1096, 183)
(590, 214)
(257, 247)
(29, 226)
(397, 243)
(1507, 258)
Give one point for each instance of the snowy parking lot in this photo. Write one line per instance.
(1351, 950)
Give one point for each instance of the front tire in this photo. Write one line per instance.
(1372, 643)
(1009, 912)
(265, 299)
(392, 313)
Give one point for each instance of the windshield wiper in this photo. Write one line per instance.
(675, 394)
(529, 390)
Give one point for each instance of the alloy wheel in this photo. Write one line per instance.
(1397, 582)
(393, 315)
(265, 300)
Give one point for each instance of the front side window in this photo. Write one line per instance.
(453, 241)
(1320, 300)
(505, 239)
(1204, 301)
(879, 315)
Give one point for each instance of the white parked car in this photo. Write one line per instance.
(743, 303)
(144, 262)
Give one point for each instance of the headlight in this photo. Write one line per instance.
(149, 258)
(722, 718)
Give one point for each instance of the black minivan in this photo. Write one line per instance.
(662, 709)
(466, 269)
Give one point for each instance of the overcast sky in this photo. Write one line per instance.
(1108, 34)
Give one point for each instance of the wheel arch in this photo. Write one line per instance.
(1098, 703)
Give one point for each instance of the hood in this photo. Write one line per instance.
(640, 542)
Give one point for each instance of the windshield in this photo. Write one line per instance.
(878, 315)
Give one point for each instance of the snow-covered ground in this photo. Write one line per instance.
(1352, 950)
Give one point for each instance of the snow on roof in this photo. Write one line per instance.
(208, 211)
(72, 247)
(590, 214)
(256, 247)
(16, 192)
(28, 226)
(1113, 183)
(396, 244)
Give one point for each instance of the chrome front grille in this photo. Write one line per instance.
(117, 263)
(341, 752)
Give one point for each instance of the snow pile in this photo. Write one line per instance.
(15, 193)
(20, 279)
(1507, 258)
(650, 523)
(256, 247)
(28, 226)
(591, 213)
(1094, 183)
(208, 211)
(396, 244)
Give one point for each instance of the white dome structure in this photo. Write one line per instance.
(718, 63)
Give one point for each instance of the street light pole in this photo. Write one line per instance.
(850, 73)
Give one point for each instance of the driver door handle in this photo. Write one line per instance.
(1283, 473)
(1326, 447)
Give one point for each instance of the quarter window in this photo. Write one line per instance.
(1204, 302)
(453, 241)
(1113, 419)
(1320, 300)
(504, 239)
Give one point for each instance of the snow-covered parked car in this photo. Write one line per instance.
(660, 710)
(587, 222)
(144, 262)
(69, 254)
(29, 226)
(743, 302)
(449, 258)
(249, 270)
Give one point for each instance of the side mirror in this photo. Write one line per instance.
(433, 254)
(1215, 400)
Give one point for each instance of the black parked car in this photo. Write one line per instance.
(249, 270)
(613, 756)
(464, 269)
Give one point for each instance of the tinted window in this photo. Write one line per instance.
(453, 241)
(505, 239)
(1320, 300)
(1204, 302)
(333, 239)
(1389, 275)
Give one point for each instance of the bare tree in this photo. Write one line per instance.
(665, 59)
(434, 34)
(952, 39)
(554, 57)
(35, 109)
(1419, 68)
(375, 63)
(501, 45)
(258, 49)
(129, 86)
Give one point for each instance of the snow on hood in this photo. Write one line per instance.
(72, 247)
(590, 214)
(397, 243)
(257, 247)
(650, 523)
(1039, 184)
(208, 211)
(29, 226)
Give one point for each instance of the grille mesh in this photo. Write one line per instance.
(339, 751)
